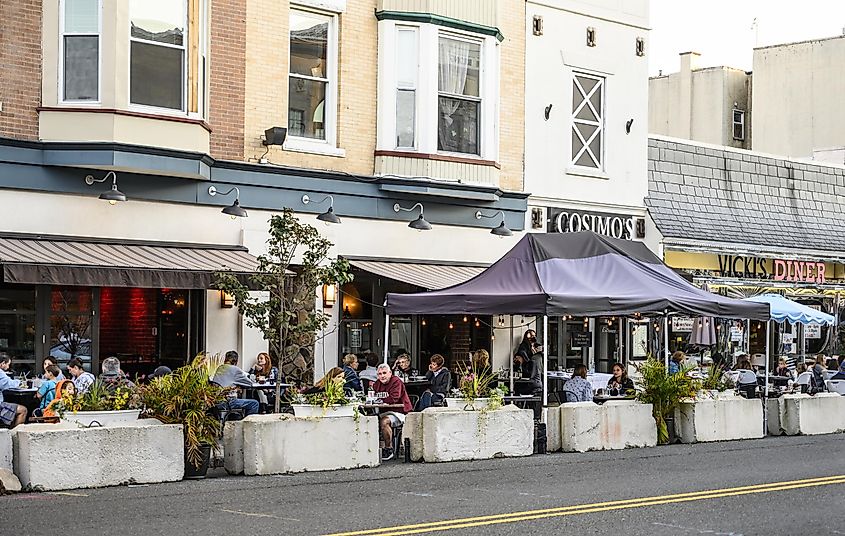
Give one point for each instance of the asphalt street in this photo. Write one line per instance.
(772, 486)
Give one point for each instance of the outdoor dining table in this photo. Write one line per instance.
(256, 386)
(23, 397)
(521, 401)
(417, 386)
(376, 409)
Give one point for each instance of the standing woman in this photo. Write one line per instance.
(527, 348)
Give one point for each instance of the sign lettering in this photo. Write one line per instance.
(612, 225)
(778, 269)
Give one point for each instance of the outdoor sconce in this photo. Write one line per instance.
(329, 296)
(234, 210)
(227, 301)
(502, 230)
(328, 216)
(275, 136)
(113, 195)
(420, 224)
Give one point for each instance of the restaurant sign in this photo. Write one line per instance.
(776, 269)
(614, 225)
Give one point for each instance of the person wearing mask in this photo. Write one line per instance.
(531, 370)
(112, 377)
(676, 362)
(50, 360)
(390, 390)
(402, 367)
(783, 369)
(528, 347)
(11, 415)
(81, 379)
(620, 384)
(351, 380)
(47, 392)
(577, 388)
(229, 374)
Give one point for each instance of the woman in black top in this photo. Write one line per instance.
(527, 347)
(620, 384)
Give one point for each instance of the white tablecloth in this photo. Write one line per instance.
(598, 380)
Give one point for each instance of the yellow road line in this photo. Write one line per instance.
(595, 507)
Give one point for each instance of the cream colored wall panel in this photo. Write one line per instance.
(484, 12)
(437, 169)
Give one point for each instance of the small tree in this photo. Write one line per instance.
(295, 265)
(664, 392)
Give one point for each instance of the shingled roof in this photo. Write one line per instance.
(705, 193)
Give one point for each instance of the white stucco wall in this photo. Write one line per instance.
(807, 77)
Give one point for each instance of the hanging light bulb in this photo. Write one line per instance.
(493, 337)
(477, 323)
(423, 322)
(451, 326)
(465, 318)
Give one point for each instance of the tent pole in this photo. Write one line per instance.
(666, 340)
(766, 386)
(545, 360)
(386, 335)
(620, 349)
(511, 357)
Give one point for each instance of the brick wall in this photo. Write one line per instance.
(512, 91)
(127, 319)
(20, 68)
(227, 80)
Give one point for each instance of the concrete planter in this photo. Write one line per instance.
(143, 452)
(104, 418)
(468, 405)
(337, 410)
(279, 443)
(614, 425)
(6, 449)
(796, 414)
(450, 434)
(721, 419)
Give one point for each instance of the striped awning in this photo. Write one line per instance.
(428, 276)
(104, 263)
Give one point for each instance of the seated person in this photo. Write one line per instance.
(50, 360)
(230, 375)
(619, 384)
(65, 389)
(402, 368)
(676, 362)
(480, 360)
(370, 373)
(351, 380)
(47, 392)
(390, 390)
(81, 379)
(264, 371)
(112, 377)
(841, 374)
(440, 380)
(746, 381)
(11, 415)
(783, 369)
(334, 372)
(577, 388)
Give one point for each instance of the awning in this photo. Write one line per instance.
(428, 276)
(104, 263)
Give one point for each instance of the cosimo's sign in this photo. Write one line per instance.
(613, 225)
(777, 269)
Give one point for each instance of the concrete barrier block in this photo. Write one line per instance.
(141, 452)
(552, 416)
(454, 434)
(6, 449)
(721, 419)
(796, 414)
(276, 444)
(579, 427)
(412, 430)
(233, 447)
(628, 424)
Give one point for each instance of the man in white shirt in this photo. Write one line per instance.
(11, 415)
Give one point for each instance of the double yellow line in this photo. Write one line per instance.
(515, 517)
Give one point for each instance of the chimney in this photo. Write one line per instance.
(688, 65)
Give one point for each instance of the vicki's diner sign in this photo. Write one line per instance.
(795, 271)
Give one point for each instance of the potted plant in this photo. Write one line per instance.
(100, 405)
(663, 391)
(474, 391)
(331, 401)
(715, 382)
(187, 397)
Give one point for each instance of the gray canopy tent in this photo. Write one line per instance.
(578, 274)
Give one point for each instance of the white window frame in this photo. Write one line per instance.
(61, 76)
(734, 123)
(482, 86)
(416, 87)
(427, 107)
(328, 146)
(182, 112)
(600, 131)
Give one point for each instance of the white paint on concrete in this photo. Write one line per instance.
(553, 433)
(5, 449)
(722, 419)
(453, 434)
(613, 425)
(233, 447)
(276, 444)
(796, 414)
(137, 452)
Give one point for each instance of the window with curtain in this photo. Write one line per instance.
(407, 66)
(158, 53)
(309, 80)
(587, 120)
(459, 95)
(80, 54)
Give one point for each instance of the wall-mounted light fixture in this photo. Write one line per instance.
(275, 136)
(234, 210)
(329, 296)
(628, 124)
(502, 229)
(639, 47)
(227, 301)
(113, 195)
(547, 112)
(420, 224)
(328, 216)
(591, 36)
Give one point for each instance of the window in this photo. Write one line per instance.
(587, 120)
(459, 95)
(407, 67)
(167, 65)
(739, 124)
(80, 50)
(310, 81)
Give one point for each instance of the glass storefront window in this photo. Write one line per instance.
(17, 327)
(71, 324)
(357, 336)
